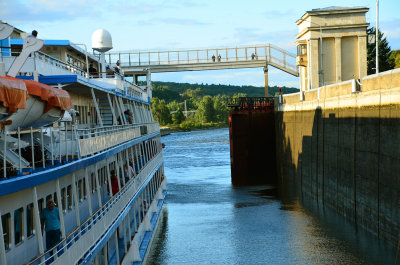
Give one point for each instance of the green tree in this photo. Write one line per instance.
(174, 105)
(163, 92)
(395, 56)
(193, 93)
(191, 104)
(178, 116)
(221, 108)
(385, 61)
(160, 111)
(206, 111)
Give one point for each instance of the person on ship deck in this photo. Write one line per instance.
(92, 70)
(50, 220)
(114, 183)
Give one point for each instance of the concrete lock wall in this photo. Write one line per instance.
(343, 150)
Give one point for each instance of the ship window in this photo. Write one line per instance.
(18, 221)
(93, 181)
(63, 200)
(93, 115)
(80, 190)
(81, 115)
(102, 179)
(40, 205)
(6, 222)
(69, 197)
(100, 176)
(105, 178)
(84, 116)
(84, 188)
(30, 228)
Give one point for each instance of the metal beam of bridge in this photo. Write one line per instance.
(202, 59)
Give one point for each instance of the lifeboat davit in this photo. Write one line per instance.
(28, 103)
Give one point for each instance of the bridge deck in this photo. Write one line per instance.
(205, 59)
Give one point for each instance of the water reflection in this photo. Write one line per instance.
(207, 221)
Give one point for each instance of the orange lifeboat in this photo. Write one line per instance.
(13, 94)
(28, 103)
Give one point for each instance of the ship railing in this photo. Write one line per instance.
(108, 74)
(132, 89)
(132, 92)
(74, 244)
(55, 145)
(49, 60)
(42, 62)
(127, 88)
(62, 145)
(95, 140)
(79, 71)
(60, 64)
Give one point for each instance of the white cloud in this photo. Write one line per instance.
(177, 21)
(394, 33)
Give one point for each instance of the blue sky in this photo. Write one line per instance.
(157, 24)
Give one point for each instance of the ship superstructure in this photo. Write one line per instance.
(65, 131)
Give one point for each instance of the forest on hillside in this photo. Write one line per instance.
(170, 91)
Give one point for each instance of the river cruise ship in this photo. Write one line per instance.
(81, 136)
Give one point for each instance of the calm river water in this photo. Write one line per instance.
(207, 221)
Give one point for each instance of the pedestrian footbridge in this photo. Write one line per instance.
(158, 61)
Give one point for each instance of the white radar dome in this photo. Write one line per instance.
(101, 40)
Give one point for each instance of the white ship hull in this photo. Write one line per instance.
(70, 160)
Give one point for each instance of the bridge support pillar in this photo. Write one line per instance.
(266, 80)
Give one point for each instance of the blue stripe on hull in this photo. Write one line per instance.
(24, 182)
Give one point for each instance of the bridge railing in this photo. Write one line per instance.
(266, 52)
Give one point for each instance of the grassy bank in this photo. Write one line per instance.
(187, 126)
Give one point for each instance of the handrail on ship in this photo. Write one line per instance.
(49, 59)
(81, 72)
(72, 140)
(73, 236)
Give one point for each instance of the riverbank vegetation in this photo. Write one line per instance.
(184, 107)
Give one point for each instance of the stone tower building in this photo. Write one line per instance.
(331, 46)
